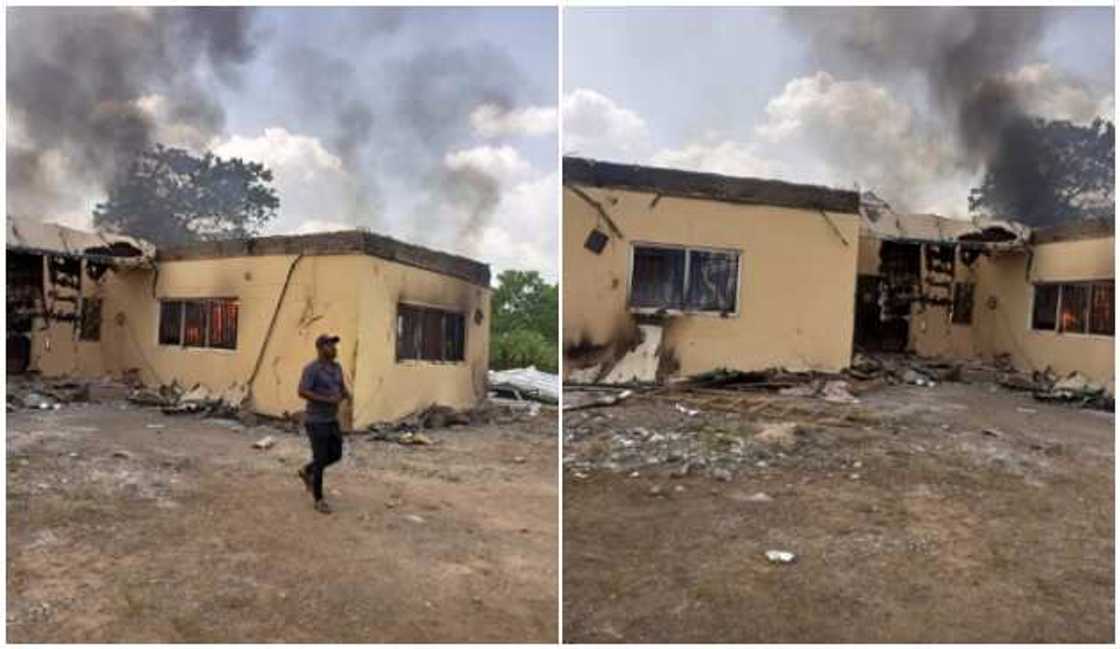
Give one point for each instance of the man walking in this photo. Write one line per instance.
(322, 386)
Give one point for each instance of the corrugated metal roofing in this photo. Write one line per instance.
(36, 236)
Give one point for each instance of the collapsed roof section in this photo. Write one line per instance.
(691, 184)
(879, 221)
(29, 235)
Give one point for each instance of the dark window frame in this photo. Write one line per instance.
(685, 288)
(1090, 287)
(205, 306)
(420, 323)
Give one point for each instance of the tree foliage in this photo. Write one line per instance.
(525, 323)
(170, 196)
(1045, 172)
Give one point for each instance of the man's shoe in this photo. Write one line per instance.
(322, 507)
(306, 477)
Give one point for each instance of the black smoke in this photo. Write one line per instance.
(75, 77)
(962, 55)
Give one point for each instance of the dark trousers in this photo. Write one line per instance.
(326, 449)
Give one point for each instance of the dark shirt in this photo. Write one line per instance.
(325, 378)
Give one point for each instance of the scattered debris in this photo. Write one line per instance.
(526, 383)
(264, 443)
(577, 399)
(782, 434)
(691, 412)
(780, 556)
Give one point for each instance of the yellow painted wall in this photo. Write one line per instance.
(796, 282)
(352, 296)
(932, 332)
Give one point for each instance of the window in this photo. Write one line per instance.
(685, 279)
(1102, 319)
(425, 333)
(1045, 313)
(1074, 303)
(91, 319)
(170, 323)
(1076, 307)
(199, 323)
(963, 295)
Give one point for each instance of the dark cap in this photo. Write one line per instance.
(326, 339)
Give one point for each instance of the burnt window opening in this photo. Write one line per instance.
(430, 334)
(207, 323)
(25, 298)
(90, 329)
(1102, 315)
(1075, 308)
(963, 297)
(1044, 314)
(684, 279)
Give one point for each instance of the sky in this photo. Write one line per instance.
(433, 125)
(844, 97)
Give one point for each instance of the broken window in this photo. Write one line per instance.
(1074, 314)
(1101, 310)
(684, 279)
(962, 302)
(1076, 307)
(658, 278)
(429, 334)
(199, 323)
(91, 320)
(712, 280)
(194, 324)
(223, 324)
(1044, 316)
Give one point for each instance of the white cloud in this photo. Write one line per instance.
(595, 126)
(313, 185)
(492, 121)
(846, 133)
(503, 163)
(723, 157)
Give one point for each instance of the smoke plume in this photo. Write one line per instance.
(965, 56)
(78, 79)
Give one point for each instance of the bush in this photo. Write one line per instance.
(523, 348)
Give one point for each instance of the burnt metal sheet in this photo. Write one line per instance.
(29, 235)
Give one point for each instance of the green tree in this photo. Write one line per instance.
(170, 196)
(524, 328)
(1045, 172)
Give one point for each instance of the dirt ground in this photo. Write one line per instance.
(909, 522)
(126, 525)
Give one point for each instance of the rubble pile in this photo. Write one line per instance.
(407, 429)
(173, 400)
(32, 392)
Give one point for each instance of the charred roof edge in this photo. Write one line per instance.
(692, 184)
(336, 243)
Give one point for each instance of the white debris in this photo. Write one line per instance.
(264, 443)
(527, 383)
(780, 556)
(690, 412)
